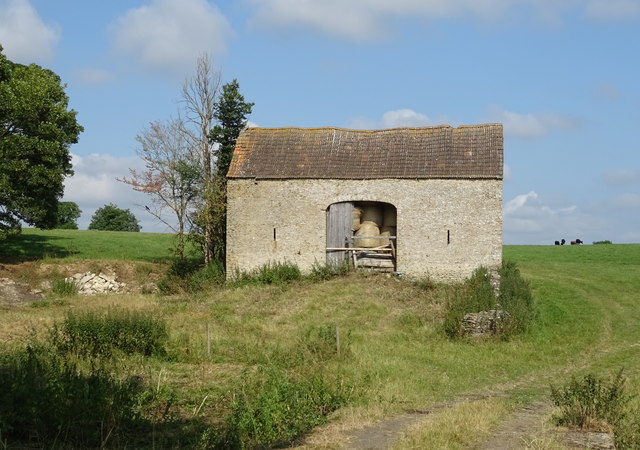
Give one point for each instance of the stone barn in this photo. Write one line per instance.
(423, 202)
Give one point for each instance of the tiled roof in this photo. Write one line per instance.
(334, 153)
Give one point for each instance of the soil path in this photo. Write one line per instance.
(514, 433)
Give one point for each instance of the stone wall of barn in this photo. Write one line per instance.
(445, 228)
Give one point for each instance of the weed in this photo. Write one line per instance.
(95, 335)
(271, 273)
(591, 402)
(48, 303)
(325, 342)
(324, 272)
(45, 398)
(143, 271)
(598, 403)
(272, 408)
(64, 288)
(184, 267)
(425, 284)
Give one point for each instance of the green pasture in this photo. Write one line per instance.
(34, 244)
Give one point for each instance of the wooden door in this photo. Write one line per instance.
(339, 224)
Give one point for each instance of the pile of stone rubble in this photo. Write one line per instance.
(90, 284)
(483, 322)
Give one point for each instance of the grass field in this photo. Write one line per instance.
(33, 244)
(394, 355)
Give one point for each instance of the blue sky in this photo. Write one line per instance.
(561, 75)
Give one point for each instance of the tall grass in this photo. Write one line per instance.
(98, 335)
(275, 273)
(272, 408)
(45, 398)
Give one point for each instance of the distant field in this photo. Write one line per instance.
(34, 244)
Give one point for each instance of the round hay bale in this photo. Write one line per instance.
(357, 213)
(387, 231)
(390, 217)
(367, 229)
(372, 213)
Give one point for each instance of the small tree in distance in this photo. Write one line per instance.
(112, 218)
(68, 214)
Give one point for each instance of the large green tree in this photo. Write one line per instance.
(231, 112)
(36, 130)
(112, 218)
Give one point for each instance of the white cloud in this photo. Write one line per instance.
(94, 76)
(366, 19)
(363, 20)
(609, 91)
(404, 118)
(622, 177)
(612, 10)
(23, 34)
(530, 125)
(529, 220)
(94, 185)
(627, 201)
(171, 34)
(395, 119)
(518, 202)
(507, 173)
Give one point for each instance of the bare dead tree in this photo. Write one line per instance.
(199, 97)
(172, 176)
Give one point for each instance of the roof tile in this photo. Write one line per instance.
(474, 151)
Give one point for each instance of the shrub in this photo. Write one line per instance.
(96, 335)
(189, 275)
(46, 399)
(474, 295)
(206, 277)
(598, 403)
(602, 242)
(515, 297)
(477, 294)
(273, 409)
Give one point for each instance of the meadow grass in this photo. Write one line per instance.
(398, 355)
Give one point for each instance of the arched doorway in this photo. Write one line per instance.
(363, 233)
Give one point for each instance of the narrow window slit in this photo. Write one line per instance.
(448, 237)
(274, 234)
